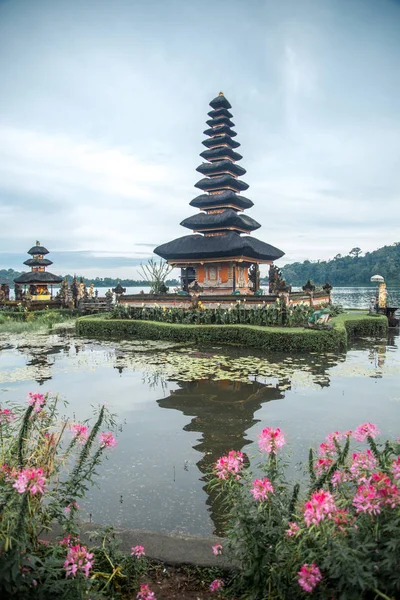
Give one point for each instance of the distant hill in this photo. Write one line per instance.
(353, 269)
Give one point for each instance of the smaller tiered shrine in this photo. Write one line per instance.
(38, 279)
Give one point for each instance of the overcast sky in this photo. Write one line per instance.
(103, 104)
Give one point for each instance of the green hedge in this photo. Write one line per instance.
(361, 325)
(266, 338)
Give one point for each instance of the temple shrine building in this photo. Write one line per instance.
(38, 279)
(220, 256)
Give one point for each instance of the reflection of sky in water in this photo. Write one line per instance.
(171, 432)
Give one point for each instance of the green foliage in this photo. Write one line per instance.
(36, 444)
(359, 325)
(155, 273)
(119, 311)
(335, 310)
(348, 270)
(263, 314)
(277, 339)
(17, 321)
(355, 549)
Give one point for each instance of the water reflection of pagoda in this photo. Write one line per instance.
(222, 412)
(217, 258)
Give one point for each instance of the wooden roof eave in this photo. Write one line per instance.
(225, 228)
(231, 259)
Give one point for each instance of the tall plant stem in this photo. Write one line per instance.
(382, 595)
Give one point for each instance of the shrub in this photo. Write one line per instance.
(47, 465)
(238, 313)
(340, 539)
(267, 338)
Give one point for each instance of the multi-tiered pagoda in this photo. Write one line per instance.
(38, 278)
(217, 257)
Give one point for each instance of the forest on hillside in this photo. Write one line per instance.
(353, 269)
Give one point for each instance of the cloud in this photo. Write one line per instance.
(102, 109)
(79, 191)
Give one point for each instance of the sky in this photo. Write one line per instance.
(103, 104)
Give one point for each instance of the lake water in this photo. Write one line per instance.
(180, 408)
(350, 297)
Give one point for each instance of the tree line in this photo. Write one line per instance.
(108, 282)
(352, 269)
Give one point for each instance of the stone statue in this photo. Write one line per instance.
(277, 284)
(254, 277)
(109, 299)
(75, 291)
(82, 290)
(327, 287)
(195, 287)
(309, 287)
(64, 292)
(18, 292)
(372, 305)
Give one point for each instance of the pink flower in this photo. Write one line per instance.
(6, 415)
(363, 463)
(293, 529)
(322, 465)
(145, 593)
(339, 477)
(36, 400)
(367, 500)
(309, 577)
(320, 506)
(69, 541)
(216, 585)
(81, 432)
(30, 480)
(67, 509)
(342, 518)
(232, 463)
(386, 490)
(327, 448)
(261, 488)
(331, 437)
(395, 468)
(137, 551)
(78, 559)
(337, 436)
(107, 440)
(217, 549)
(271, 439)
(366, 430)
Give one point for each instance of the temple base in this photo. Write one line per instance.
(220, 278)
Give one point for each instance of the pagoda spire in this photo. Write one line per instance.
(219, 226)
(221, 185)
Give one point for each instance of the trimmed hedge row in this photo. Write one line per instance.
(266, 338)
(361, 325)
